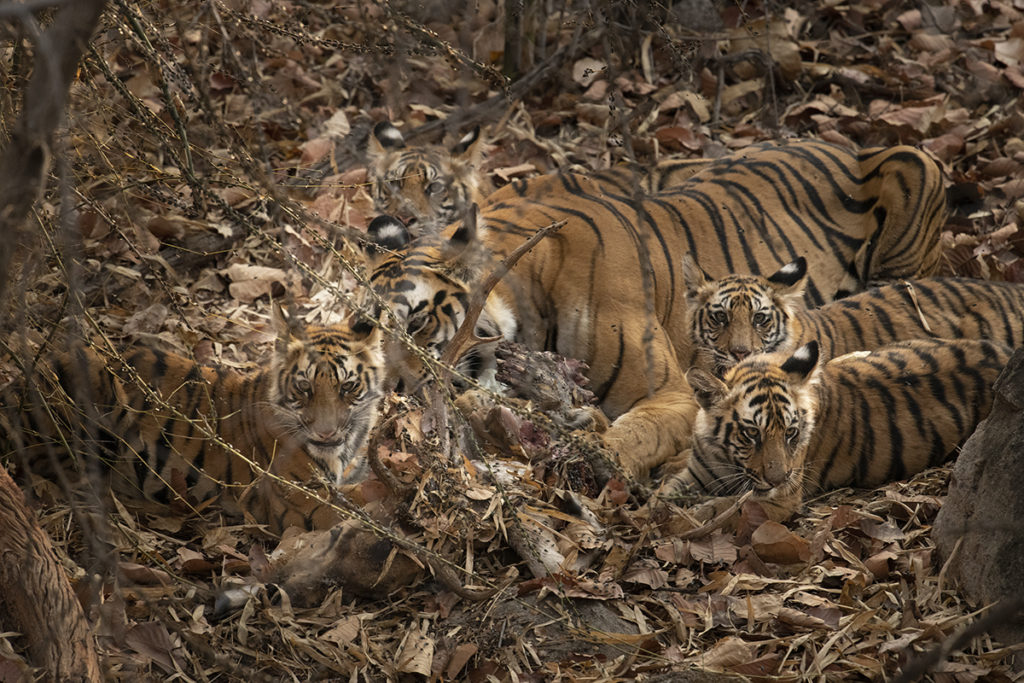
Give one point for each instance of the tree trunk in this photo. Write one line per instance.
(26, 159)
(35, 596)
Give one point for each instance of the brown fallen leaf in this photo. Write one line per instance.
(727, 652)
(143, 575)
(152, 640)
(773, 542)
(799, 619)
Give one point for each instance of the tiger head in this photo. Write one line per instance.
(739, 315)
(754, 426)
(427, 187)
(325, 385)
(427, 285)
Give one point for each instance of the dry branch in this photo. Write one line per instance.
(1001, 613)
(38, 601)
(26, 160)
(466, 334)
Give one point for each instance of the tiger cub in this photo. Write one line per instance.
(427, 187)
(605, 288)
(738, 315)
(168, 428)
(885, 415)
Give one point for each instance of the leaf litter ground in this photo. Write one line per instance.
(214, 155)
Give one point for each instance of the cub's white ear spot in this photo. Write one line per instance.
(466, 141)
(388, 136)
(791, 273)
(388, 232)
(803, 360)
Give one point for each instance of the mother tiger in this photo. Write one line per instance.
(605, 289)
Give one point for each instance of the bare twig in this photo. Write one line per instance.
(1001, 613)
(26, 160)
(537, 76)
(39, 601)
(717, 522)
(465, 336)
(396, 486)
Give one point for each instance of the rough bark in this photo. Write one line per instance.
(35, 596)
(984, 509)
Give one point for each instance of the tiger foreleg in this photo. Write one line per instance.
(652, 432)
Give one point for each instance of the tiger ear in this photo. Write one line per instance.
(790, 280)
(694, 276)
(362, 329)
(385, 136)
(707, 388)
(286, 324)
(803, 361)
(469, 144)
(388, 232)
(464, 236)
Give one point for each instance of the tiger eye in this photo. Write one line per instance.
(303, 386)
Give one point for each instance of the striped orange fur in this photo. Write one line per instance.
(743, 314)
(786, 426)
(167, 428)
(606, 288)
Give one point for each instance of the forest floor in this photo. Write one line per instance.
(211, 149)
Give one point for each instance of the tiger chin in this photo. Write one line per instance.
(427, 186)
(167, 428)
(737, 315)
(784, 426)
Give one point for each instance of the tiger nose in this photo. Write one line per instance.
(740, 352)
(775, 473)
(325, 434)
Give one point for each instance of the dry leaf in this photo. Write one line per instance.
(773, 542)
(727, 652)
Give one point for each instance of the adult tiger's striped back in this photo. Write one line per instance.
(169, 428)
(428, 186)
(743, 314)
(605, 288)
(783, 426)
(665, 174)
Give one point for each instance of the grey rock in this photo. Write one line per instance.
(985, 506)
